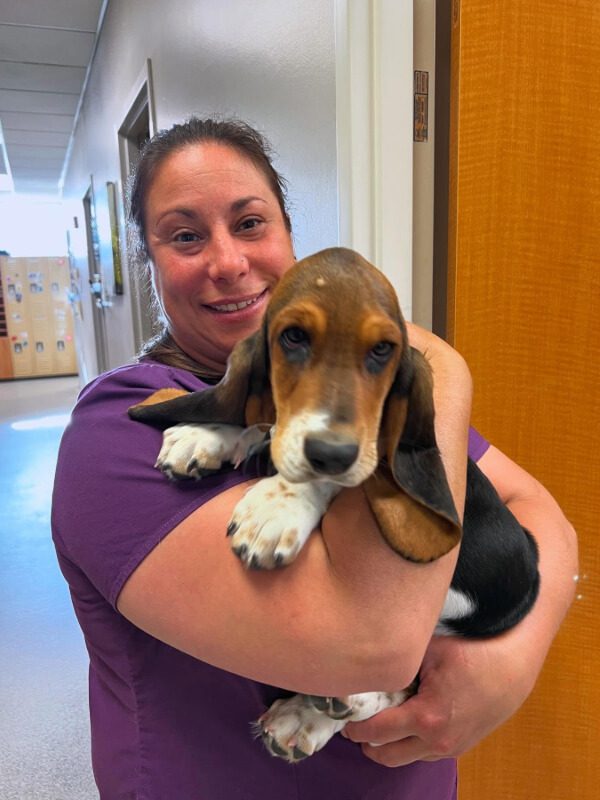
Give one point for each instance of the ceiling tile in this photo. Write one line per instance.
(23, 121)
(45, 46)
(51, 103)
(26, 150)
(41, 78)
(49, 138)
(70, 14)
(33, 160)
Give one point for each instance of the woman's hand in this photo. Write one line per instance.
(468, 688)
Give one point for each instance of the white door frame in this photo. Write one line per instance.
(385, 179)
(374, 96)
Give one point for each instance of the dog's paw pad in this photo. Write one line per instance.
(334, 707)
(293, 729)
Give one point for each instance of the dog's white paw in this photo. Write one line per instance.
(274, 519)
(301, 725)
(195, 450)
(294, 729)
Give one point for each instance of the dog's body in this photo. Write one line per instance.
(349, 403)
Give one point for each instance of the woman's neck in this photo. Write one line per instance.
(165, 350)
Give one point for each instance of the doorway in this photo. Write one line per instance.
(137, 127)
(95, 279)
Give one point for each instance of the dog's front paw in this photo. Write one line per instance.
(301, 725)
(294, 729)
(274, 519)
(196, 450)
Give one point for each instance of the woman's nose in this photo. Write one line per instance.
(226, 261)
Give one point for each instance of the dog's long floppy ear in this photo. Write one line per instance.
(242, 397)
(410, 496)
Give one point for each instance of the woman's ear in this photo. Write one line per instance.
(242, 397)
(419, 521)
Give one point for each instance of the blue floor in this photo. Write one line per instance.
(44, 733)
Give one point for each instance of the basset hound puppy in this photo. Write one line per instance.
(346, 401)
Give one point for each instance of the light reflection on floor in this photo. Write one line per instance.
(44, 732)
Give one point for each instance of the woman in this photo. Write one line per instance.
(185, 646)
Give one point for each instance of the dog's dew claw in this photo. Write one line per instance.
(232, 528)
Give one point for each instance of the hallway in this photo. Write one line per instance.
(44, 732)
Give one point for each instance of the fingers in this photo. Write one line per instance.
(399, 754)
(385, 727)
(411, 732)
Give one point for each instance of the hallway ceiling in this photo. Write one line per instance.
(46, 47)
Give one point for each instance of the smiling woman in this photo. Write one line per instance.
(186, 647)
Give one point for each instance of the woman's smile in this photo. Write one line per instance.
(230, 306)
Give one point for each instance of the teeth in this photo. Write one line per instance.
(235, 306)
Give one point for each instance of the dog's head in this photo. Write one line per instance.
(350, 400)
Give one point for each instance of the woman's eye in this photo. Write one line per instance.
(250, 224)
(186, 236)
(378, 356)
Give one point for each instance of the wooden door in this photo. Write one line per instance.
(524, 309)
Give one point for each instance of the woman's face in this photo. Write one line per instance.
(218, 244)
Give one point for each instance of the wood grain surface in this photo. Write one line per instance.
(524, 309)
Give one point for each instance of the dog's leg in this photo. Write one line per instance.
(301, 725)
(274, 519)
(194, 450)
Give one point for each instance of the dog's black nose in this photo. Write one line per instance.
(330, 458)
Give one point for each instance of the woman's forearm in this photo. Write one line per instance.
(558, 566)
(538, 511)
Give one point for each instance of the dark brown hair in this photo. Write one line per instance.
(234, 133)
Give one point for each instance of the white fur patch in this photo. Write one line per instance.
(456, 606)
(273, 520)
(187, 449)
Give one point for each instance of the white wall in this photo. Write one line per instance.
(271, 62)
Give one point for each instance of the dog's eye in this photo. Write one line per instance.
(294, 337)
(378, 356)
(295, 343)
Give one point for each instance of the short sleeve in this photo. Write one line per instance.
(111, 507)
(477, 444)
